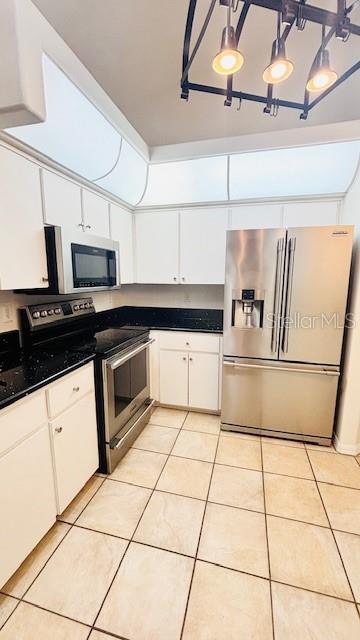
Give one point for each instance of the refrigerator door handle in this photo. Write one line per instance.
(326, 372)
(289, 283)
(276, 310)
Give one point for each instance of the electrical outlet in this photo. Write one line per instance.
(6, 313)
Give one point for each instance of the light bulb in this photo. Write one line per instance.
(278, 71)
(229, 60)
(323, 76)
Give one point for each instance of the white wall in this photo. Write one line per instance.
(348, 425)
(163, 295)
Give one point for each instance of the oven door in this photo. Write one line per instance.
(126, 388)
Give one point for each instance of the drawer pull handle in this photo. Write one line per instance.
(76, 389)
(58, 429)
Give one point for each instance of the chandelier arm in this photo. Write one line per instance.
(238, 31)
(251, 97)
(270, 87)
(340, 80)
(200, 37)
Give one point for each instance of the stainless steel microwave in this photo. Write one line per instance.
(79, 261)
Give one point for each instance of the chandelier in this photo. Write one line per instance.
(322, 78)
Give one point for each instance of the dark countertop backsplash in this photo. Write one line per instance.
(23, 371)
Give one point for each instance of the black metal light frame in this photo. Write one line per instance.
(296, 12)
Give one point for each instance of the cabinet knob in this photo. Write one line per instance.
(81, 224)
(58, 429)
(76, 389)
(190, 359)
(183, 278)
(184, 357)
(88, 226)
(175, 278)
(45, 279)
(187, 344)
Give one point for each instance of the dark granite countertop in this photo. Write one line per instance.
(22, 373)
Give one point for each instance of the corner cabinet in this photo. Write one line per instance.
(22, 242)
(193, 360)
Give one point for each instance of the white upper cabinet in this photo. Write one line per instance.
(121, 222)
(22, 242)
(188, 181)
(157, 247)
(310, 214)
(96, 215)
(202, 246)
(62, 200)
(256, 216)
(127, 180)
(75, 134)
(312, 170)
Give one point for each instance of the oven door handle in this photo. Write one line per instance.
(117, 363)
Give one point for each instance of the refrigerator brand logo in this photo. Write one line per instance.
(322, 321)
(340, 233)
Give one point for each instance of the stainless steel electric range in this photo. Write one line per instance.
(121, 358)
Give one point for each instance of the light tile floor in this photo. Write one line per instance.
(199, 535)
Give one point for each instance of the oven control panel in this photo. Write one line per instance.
(39, 315)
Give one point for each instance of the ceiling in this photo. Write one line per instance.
(134, 51)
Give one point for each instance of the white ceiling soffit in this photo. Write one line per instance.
(75, 134)
(300, 171)
(201, 180)
(127, 180)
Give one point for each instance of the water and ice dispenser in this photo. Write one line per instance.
(248, 309)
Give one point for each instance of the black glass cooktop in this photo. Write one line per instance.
(109, 341)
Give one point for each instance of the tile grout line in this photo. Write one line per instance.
(267, 540)
(93, 627)
(334, 538)
(71, 525)
(198, 544)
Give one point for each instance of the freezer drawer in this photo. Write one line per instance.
(280, 396)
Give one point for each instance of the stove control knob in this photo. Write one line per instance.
(50, 312)
(87, 305)
(36, 315)
(76, 307)
(43, 313)
(81, 306)
(57, 311)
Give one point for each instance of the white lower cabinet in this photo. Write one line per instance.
(204, 381)
(185, 369)
(174, 378)
(27, 499)
(74, 444)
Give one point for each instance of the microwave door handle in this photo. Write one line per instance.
(289, 284)
(276, 311)
(117, 363)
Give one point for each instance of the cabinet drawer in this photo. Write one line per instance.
(21, 419)
(182, 340)
(63, 393)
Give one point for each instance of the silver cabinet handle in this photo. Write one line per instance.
(58, 429)
(275, 327)
(117, 363)
(289, 283)
(236, 365)
(76, 389)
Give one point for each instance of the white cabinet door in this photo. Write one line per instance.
(204, 381)
(121, 222)
(96, 215)
(203, 245)
(157, 247)
(27, 500)
(256, 216)
(22, 241)
(62, 201)
(310, 214)
(75, 449)
(174, 378)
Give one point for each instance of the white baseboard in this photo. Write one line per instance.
(349, 449)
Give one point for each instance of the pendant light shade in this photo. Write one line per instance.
(280, 68)
(229, 60)
(323, 76)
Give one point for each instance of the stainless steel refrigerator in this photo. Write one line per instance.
(284, 316)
